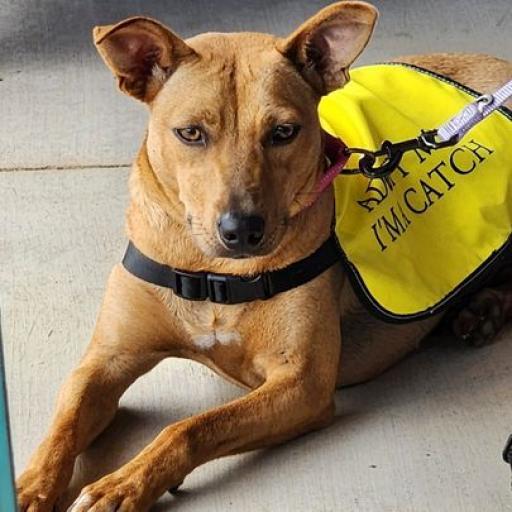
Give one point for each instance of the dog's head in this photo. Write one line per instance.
(234, 139)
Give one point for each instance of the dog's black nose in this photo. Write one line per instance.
(241, 232)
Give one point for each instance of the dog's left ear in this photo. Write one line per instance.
(325, 46)
(142, 53)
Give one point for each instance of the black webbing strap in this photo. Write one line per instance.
(227, 288)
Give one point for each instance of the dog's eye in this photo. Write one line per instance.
(191, 135)
(283, 133)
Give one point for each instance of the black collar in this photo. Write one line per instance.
(227, 288)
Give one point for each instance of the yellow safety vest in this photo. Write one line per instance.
(414, 242)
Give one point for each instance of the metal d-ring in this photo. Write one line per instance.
(366, 153)
(484, 101)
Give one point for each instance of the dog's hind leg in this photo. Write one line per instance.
(483, 318)
(485, 313)
(371, 350)
(371, 346)
(88, 400)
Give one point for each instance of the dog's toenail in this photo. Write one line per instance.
(175, 489)
(84, 500)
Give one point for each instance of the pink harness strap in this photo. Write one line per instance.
(337, 157)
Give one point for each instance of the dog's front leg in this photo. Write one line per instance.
(123, 348)
(296, 397)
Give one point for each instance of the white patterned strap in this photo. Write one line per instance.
(475, 112)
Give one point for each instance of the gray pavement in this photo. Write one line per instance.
(425, 437)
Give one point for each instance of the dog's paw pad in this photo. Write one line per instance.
(482, 319)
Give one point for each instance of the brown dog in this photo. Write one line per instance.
(233, 134)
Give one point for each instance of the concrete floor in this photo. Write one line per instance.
(427, 436)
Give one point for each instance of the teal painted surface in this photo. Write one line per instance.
(7, 497)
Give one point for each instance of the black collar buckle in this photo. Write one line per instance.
(227, 289)
(221, 288)
(190, 286)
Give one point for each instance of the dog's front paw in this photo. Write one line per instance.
(119, 492)
(36, 491)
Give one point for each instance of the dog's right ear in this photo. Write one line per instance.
(324, 47)
(142, 53)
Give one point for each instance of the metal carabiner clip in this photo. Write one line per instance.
(393, 154)
(429, 141)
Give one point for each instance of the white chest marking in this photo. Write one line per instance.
(206, 341)
(228, 337)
